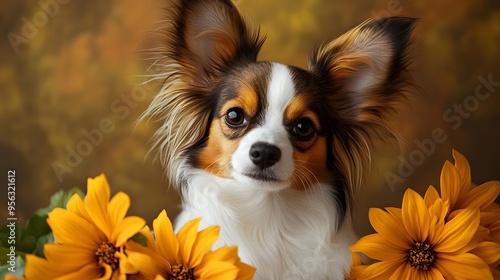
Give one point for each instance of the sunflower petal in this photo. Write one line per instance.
(457, 232)
(245, 271)
(203, 242)
(482, 196)
(403, 272)
(224, 253)
(450, 184)
(147, 264)
(380, 270)
(434, 274)
(415, 215)
(217, 270)
(89, 271)
(118, 207)
(187, 237)
(389, 227)
(487, 251)
(378, 248)
(168, 245)
(75, 204)
(39, 268)
(464, 266)
(127, 228)
(68, 228)
(463, 168)
(431, 195)
(96, 203)
(80, 256)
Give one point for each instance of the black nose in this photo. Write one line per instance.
(264, 155)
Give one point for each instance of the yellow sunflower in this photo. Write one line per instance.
(415, 242)
(90, 237)
(183, 256)
(458, 189)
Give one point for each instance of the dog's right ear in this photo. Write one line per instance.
(206, 36)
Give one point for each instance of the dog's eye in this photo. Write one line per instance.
(235, 117)
(304, 129)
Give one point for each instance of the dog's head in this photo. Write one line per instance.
(270, 125)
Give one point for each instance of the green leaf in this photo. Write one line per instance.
(141, 239)
(4, 254)
(59, 200)
(13, 267)
(48, 238)
(38, 226)
(19, 238)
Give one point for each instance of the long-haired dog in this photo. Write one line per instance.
(273, 153)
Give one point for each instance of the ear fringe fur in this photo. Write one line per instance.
(365, 114)
(183, 107)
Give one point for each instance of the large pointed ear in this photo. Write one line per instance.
(367, 68)
(363, 74)
(206, 36)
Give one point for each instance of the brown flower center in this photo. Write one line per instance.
(180, 272)
(421, 256)
(106, 255)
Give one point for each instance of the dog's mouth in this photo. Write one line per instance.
(263, 176)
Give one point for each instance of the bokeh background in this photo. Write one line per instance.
(70, 69)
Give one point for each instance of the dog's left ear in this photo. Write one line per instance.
(366, 68)
(363, 74)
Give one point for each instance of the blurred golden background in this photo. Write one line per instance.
(69, 74)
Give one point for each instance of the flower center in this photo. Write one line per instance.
(106, 254)
(180, 272)
(421, 256)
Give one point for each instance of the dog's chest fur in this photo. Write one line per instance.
(284, 235)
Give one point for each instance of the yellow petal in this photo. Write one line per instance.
(482, 196)
(487, 251)
(39, 268)
(245, 271)
(450, 184)
(356, 272)
(68, 228)
(457, 232)
(217, 270)
(168, 244)
(224, 253)
(90, 271)
(389, 227)
(380, 270)
(434, 274)
(463, 168)
(147, 264)
(378, 248)
(214, 263)
(415, 215)
(437, 212)
(75, 205)
(431, 195)
(187, 236)
(118, 207)
(96, 203)
(151, 244)
(463, 266)
(203, 242)
(403, 272)
(127, 228)
(78, 257)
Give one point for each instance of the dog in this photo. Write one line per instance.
(272, 153)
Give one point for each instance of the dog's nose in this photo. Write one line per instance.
(264, 155)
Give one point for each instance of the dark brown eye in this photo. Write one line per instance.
(235, 117)
(304, 129)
